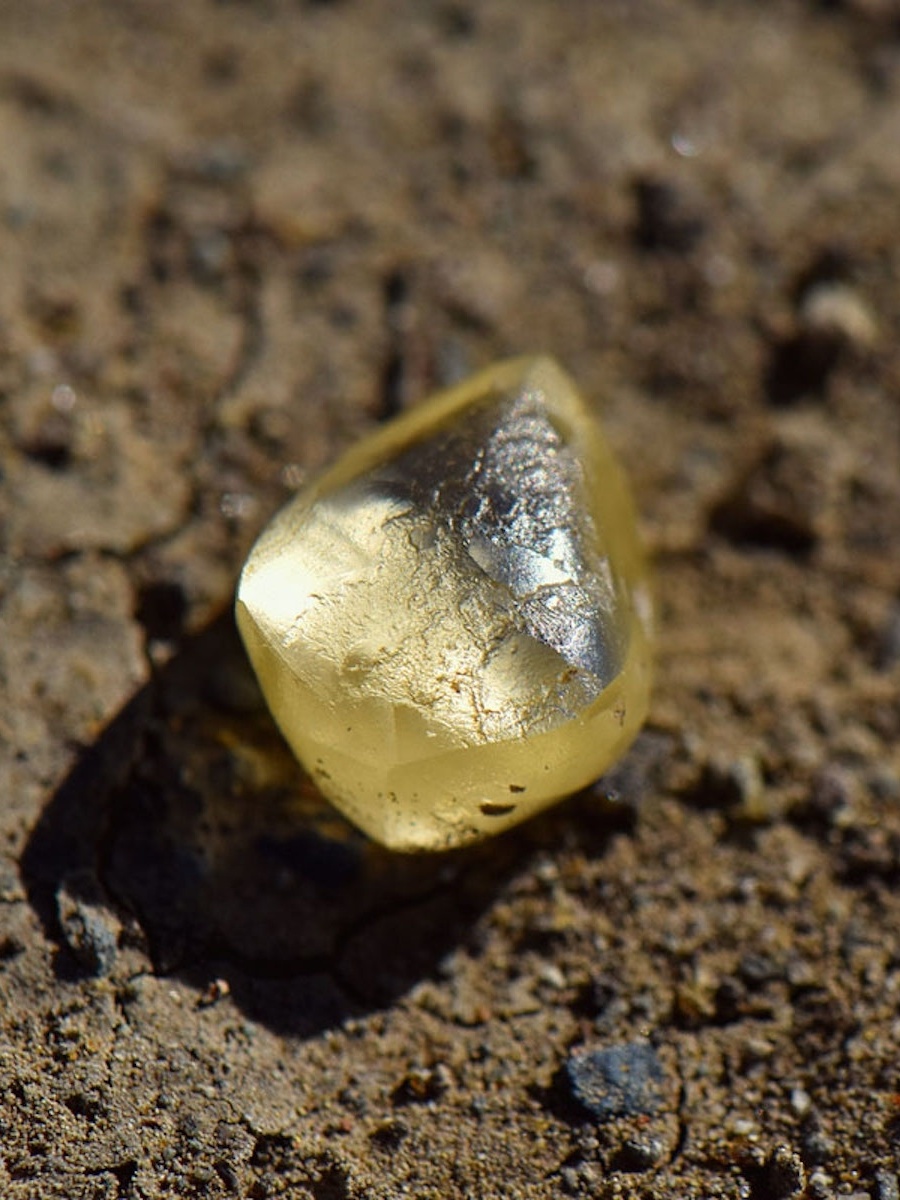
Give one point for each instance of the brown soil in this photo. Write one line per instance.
(234, 237)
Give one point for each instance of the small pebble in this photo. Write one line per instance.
(819, 1187)
(801, 1101)
(423, 1084)
(89, 929)
(832, 321)
(836, 312)
(389, 1134)
(550, 974)
(885, 1186)
(833, 794)
(620, 1080)
(215, 990)
(11, 947)
(639, 1154)
(736, 786)
(581, 1180)
(754, 803)
(781, 1176)
(11, 890)
(815, 1146)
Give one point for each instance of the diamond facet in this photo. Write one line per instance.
(450, 626)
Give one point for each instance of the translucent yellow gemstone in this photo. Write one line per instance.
(450, 626)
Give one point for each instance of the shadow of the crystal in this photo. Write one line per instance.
(191, 820)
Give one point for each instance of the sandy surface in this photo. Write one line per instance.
(233, 238)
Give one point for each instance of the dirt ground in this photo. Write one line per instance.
(236, 236)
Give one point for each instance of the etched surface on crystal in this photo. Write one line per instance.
(510, 489)
(449, 624)
(459, 580)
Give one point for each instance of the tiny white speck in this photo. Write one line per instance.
(237, 505)
(685, 146)
(292, 475)
(63, 398)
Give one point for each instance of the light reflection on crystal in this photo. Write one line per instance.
(446, 625)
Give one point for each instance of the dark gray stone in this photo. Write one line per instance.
(90, 930)
(617, 1081)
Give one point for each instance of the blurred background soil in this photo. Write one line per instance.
(234, 237)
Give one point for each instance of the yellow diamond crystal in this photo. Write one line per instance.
(450, 625)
